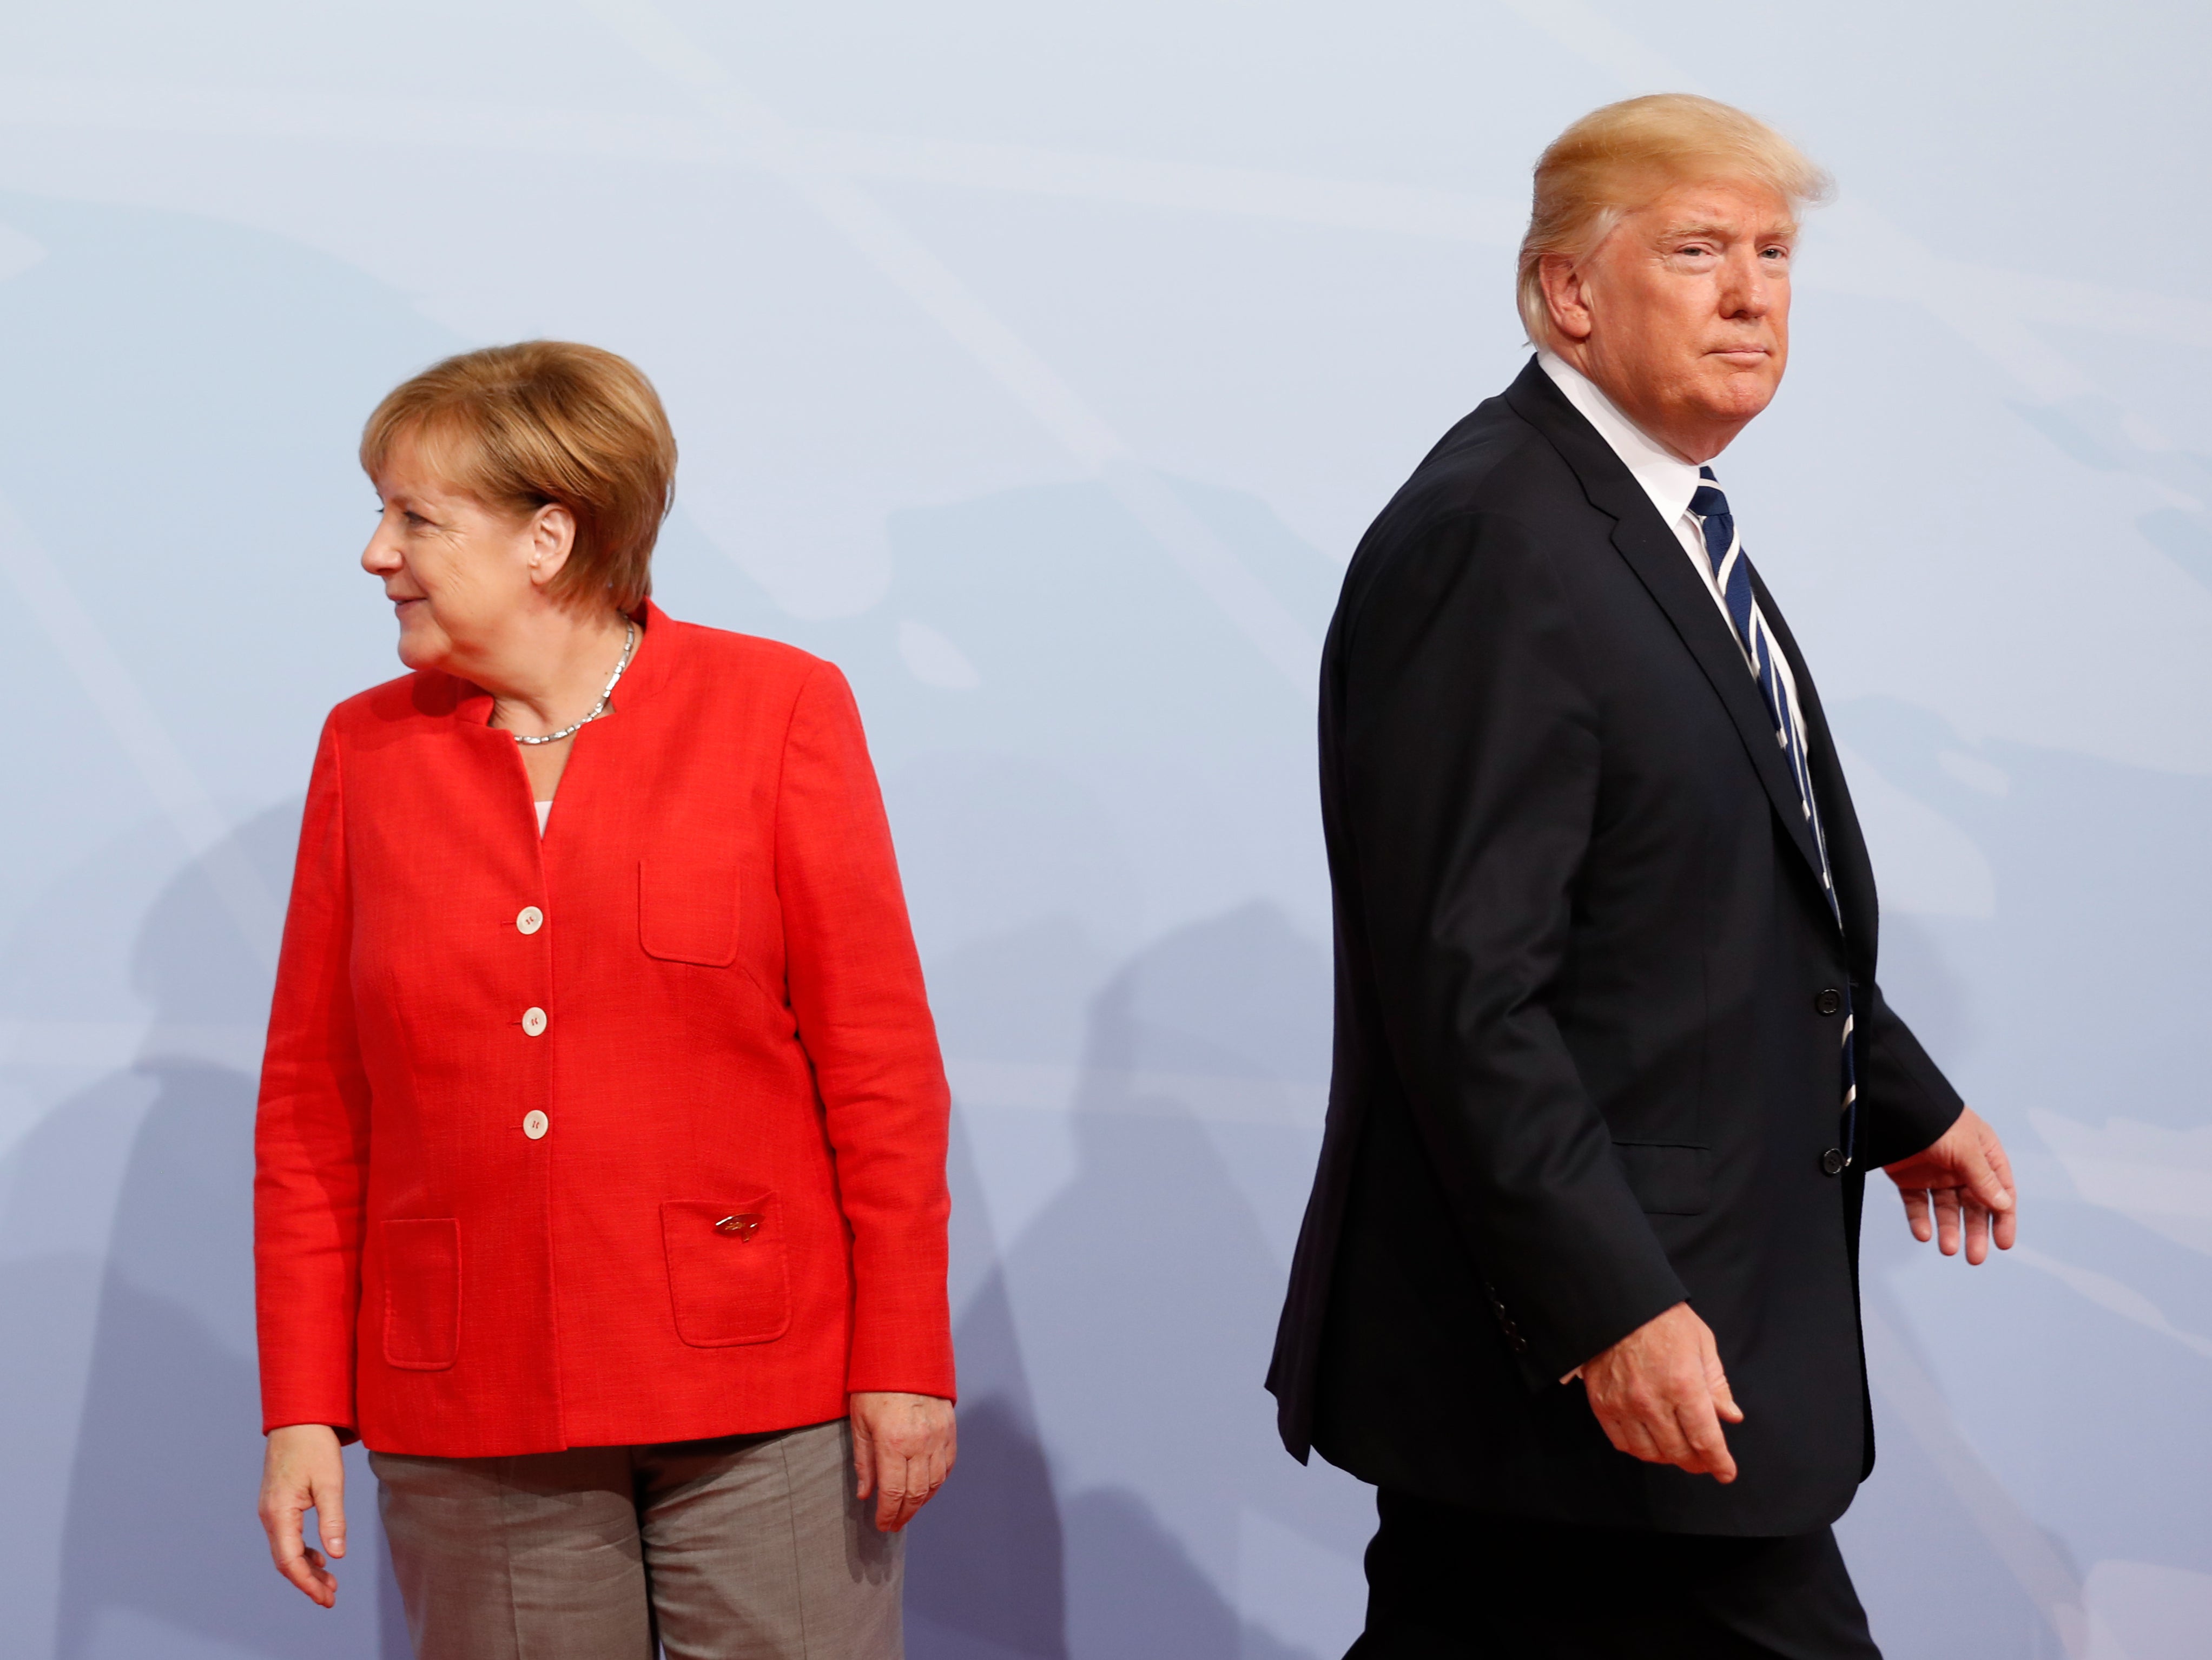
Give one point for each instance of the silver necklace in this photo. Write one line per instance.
(630, 644)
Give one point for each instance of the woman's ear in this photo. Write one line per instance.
(552, 539)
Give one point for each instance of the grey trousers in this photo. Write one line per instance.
(752, 1547)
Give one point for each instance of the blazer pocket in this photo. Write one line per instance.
(422, 1292)
(728, 1274)
(687, 908)
(1667, 1179)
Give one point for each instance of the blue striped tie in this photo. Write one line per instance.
(1732, 571)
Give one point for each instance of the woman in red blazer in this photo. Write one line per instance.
(601, 1148)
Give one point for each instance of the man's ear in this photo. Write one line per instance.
(552, 539)
(1565, 297)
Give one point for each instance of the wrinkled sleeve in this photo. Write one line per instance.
(311, 1136)
(1470, 760)
(856, 987)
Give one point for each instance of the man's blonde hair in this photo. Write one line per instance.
(1617, 159)
(525, 426)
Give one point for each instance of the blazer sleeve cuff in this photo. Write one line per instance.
(1905, 1103)
(917, 1372)
(277, 1416)
(1558, 1347)
(903, 1346)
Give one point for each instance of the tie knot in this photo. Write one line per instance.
(1707, 501)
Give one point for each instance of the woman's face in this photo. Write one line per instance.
(461, 575)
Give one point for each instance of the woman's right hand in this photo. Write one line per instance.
(304, 1470)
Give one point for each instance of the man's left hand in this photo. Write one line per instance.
(1966, 1177)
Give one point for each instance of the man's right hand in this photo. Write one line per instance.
(1662, 1395)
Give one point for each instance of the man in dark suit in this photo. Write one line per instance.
(1577, 1285)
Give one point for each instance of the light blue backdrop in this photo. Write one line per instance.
(1042, 365)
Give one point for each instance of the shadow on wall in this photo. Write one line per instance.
(1145, 1293)
(2098, 431)
(2036, 1416)
(1108, 1457)
(1118, 1453)
(161, 1552)
(1939, 1566)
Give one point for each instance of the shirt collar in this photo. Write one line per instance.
(1668, 480)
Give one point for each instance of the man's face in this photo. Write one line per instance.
(1682, 314)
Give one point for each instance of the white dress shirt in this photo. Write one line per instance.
(1670, 482)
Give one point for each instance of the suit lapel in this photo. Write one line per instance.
(1847, 852)
(1652, 552)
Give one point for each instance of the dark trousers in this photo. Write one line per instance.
(1447, 1583)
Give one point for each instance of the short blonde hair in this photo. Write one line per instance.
(547, 422)
(1617, 159)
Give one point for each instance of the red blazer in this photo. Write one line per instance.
(636, 1133)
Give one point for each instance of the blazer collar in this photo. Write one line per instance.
(1847, 852)
(659, 642)
(1652, 552)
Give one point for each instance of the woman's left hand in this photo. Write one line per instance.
(902, 1450)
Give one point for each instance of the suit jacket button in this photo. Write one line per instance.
(1830, 1001)
(1832, 1162)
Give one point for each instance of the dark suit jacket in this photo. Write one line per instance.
(1582, 1066)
